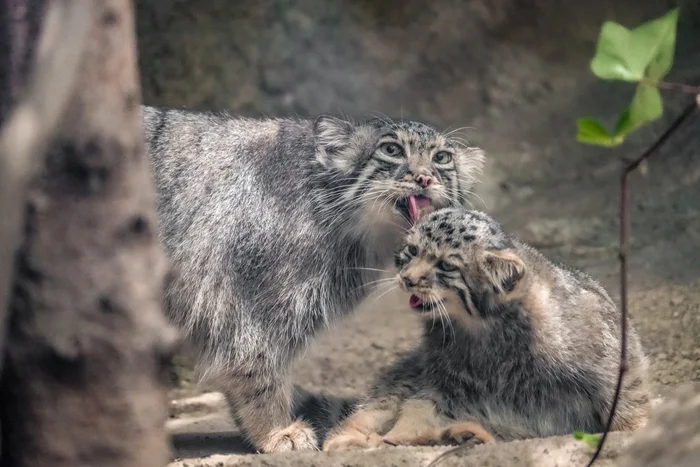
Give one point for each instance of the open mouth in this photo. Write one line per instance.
(419, 305)
(412, 206)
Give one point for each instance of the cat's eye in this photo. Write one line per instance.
(412, 250)
(442, 157)
(447, 267)
(391, 149)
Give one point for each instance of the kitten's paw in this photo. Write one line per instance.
(351, 438)
(296, 437)
(470, 433)
(408, 440)
(414, 437)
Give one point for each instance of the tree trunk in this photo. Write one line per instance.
(87, 343)
(19, 24)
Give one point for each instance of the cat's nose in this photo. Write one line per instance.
(423, 180)
(410, 281)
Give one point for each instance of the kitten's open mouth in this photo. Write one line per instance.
(412, 206)
(419, 305)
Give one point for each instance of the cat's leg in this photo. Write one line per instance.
(362, 429)
(418, 423)
(462, 433)
(323, 411)
(375, 417)
(262, 409)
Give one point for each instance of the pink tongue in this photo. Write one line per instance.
(415, 205)
(415, 301)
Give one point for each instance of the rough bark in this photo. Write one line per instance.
(33, 103)
(5, 99)
(4, 60)
(19, 26)
(87, 344)
(14, 37)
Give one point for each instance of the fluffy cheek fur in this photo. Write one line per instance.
(469, 166)
(455, 310)
(380, 198)
(452, 307)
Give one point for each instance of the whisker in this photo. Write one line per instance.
(452, 132)
(436, 305)
(447, 316)
(376, 288)
(371, 269)
(386, 292)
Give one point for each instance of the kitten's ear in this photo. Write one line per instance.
(332, 137)
(504, 268)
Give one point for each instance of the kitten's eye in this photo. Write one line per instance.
(391, 149)
(412, 250)
(442, 157)
(447, 267)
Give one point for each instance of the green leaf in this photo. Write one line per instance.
(589, 439)
(613, 57)
(591, 131)
(661, 34)
(646, 107)
(624, 123)
(645, 52)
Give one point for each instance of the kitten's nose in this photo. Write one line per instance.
(408, 282)
(412, 281)
(423, 180)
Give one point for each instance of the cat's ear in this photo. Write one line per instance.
(333, 140)
(504, 269)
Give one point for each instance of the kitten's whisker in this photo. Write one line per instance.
(379, 283)
(435, 305)
(447, 316)
(386, 292)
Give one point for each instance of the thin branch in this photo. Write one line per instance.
(32, 123)
(630, 167)
(679, 87)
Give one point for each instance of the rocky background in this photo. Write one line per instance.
(513, 75)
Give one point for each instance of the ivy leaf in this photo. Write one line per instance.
(591, 131)
(660, 33)
(624, 123)
(589, 439)
(613, 57)
(646, 107)
(645, 52)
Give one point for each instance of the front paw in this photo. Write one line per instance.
(424, 439)
(351, 438)
(467, 433)
(296, 437)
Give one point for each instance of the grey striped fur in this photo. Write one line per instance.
(513, 342)
(275, 227)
